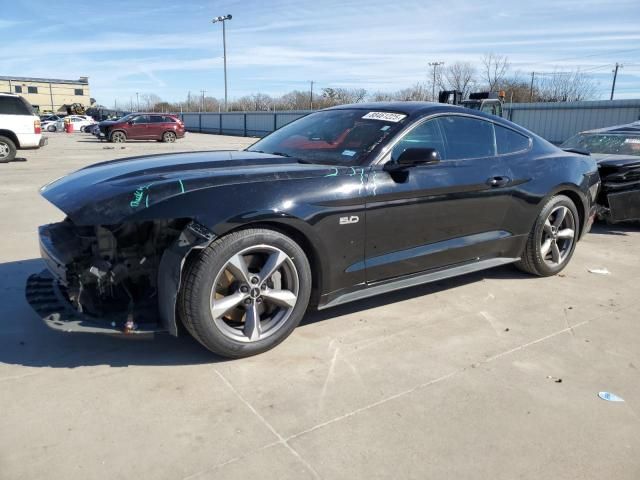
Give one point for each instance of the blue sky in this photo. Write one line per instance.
(169, 48)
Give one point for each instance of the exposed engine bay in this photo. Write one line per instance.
(110, 271)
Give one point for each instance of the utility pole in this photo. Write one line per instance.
(433, 87)
(203, 92)
(138, 101)
(224, 54)
(311, 97)
(615, 75)
(533, 74)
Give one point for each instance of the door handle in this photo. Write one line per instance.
(498, 181)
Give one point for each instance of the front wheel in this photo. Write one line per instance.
(552, 240)
(118, 137)
(168, 137)
(246, 292)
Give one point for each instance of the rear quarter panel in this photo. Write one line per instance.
(543, 174)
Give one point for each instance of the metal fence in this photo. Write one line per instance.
(554, 121)
(247, 124)
(557, 122)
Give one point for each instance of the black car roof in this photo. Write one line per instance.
(409, 108)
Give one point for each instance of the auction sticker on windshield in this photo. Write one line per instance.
(384, 116)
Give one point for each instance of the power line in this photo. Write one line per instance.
(610, 52)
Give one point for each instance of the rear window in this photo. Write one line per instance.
(160, 119)
(14, 106)
(510, 141)
(467, 137)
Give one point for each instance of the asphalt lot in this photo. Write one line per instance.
(458, 379)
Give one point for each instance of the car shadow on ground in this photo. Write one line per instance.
(15, 160)
(620, 229)
(25, 340)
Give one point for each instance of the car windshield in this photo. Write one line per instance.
(612, 144)
(336, 137)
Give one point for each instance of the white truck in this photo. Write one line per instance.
(19, 127)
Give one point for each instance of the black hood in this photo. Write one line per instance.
(114, 191)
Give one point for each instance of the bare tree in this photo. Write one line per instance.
(149, 100)
(565, 87)
(418, 92)
(459, 76)
(517, 89)
(338, 96)
(494, 69)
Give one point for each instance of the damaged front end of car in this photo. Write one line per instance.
(104, 278)
(619, 198)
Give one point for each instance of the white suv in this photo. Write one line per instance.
(19, 126)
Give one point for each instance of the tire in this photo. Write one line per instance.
(7, 149)
(169, 137)
(553, 238)
(118, 137)
(82, 129)
(52, 128)
(229, 332)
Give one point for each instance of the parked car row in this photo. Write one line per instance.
(56, 124)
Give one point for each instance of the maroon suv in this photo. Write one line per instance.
(142, 126)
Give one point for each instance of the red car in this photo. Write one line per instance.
(142, 126)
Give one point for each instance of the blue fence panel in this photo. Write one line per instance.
(558, 121)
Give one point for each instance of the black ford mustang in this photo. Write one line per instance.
(342, 204)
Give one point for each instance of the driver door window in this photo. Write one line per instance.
(426, 135)
(141, 119)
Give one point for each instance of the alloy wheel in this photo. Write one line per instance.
(118, 137)
(4, 150)
(254, 293)
(169, 137)
(558, 236)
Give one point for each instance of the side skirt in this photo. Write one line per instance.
(416, 279)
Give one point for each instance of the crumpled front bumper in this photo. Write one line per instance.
(46, 293)
(47, 297)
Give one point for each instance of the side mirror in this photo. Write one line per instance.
(418, 156)
(412, 157)
(130, 122)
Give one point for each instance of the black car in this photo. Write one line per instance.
(343, 204)
(617, 151)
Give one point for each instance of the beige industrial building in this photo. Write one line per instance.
(48, 94)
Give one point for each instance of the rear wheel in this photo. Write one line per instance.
(51, 128)
(169, 137)
(246, 292)
(7, 149)
(118, 137)
(552, 240)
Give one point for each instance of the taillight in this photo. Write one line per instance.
(36, 126)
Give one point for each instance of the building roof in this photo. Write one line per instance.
(82, 80)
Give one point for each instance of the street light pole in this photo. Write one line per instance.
(433, 87)
(224, 54)
(138, 101)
